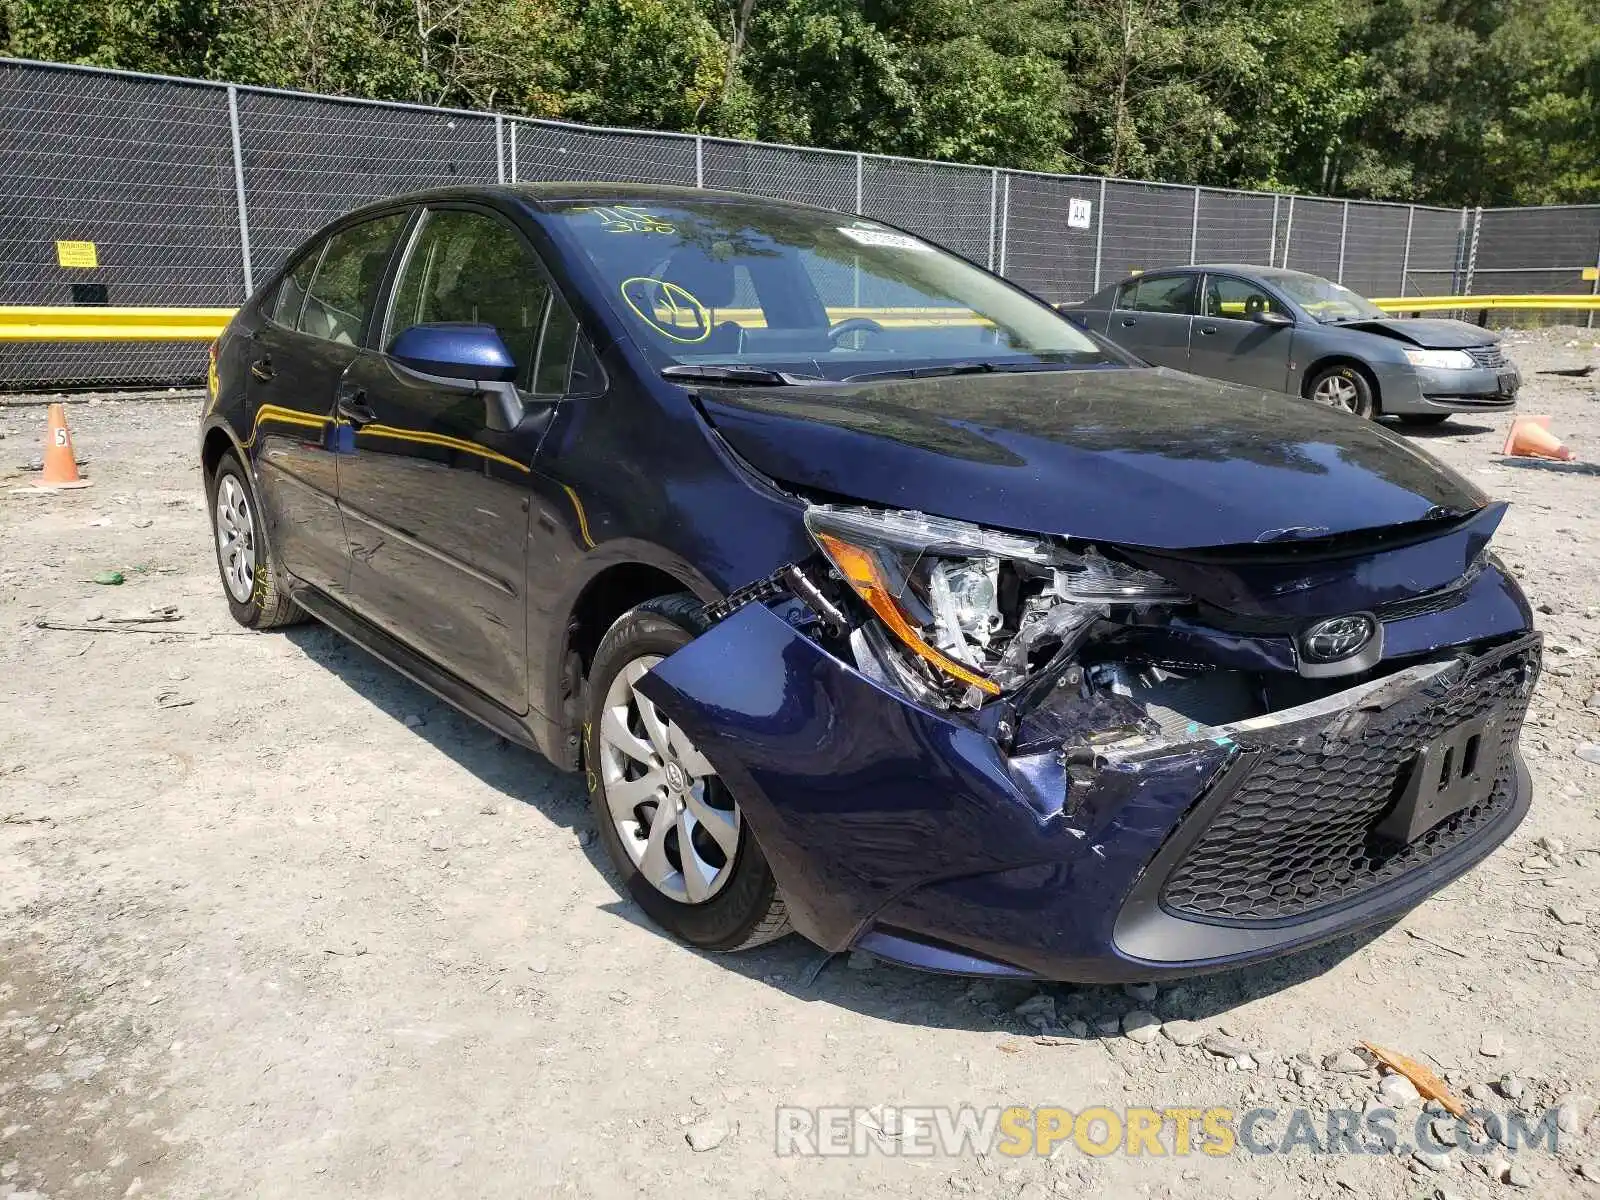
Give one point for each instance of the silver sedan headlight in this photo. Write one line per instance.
(1441, 360)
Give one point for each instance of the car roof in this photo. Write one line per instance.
(1236, 268)
(545, 196)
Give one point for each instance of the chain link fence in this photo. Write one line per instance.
(194, 193)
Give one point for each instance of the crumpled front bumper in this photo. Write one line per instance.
(910, 833)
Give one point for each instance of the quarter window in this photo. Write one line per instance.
(468, 267)
(346, 283)
(292, 291)
(555, 350)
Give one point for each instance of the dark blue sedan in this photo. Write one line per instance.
(874, 598)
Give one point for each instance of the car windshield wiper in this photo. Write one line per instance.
(969, 367)
(717, 373)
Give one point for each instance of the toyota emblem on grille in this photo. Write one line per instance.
(1337, 639)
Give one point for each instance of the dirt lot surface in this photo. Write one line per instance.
(274, 922)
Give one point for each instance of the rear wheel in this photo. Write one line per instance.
(1345, 387)
(1423, 418)
(670, 825)
(250, 579)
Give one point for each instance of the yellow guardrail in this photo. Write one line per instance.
(66, 323)
(45, 323)
(1476, 303)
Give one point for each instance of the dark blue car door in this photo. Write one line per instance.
(313, 329)
(435, 497)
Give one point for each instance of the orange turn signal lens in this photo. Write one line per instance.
(861, 571)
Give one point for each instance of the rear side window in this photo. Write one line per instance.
(346, 283)
(1162, 294)
(471, 267)
(291, 295)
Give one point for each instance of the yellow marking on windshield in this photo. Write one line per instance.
(662, 305)
(620, 218)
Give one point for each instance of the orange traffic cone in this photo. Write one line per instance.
(60, 464)
(1530, 437)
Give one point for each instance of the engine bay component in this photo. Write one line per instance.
(973, 606)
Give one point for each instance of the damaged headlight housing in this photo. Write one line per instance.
(973, 603)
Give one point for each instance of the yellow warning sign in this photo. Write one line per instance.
(76, 254)
(1591, 272)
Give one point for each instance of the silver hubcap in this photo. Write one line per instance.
(1339, 392)
(678, 824)
(236, 539)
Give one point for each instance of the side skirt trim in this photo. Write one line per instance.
(453, 691)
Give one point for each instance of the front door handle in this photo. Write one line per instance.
(262, 369)
(352, 406)
(1208, 329)
(1128, 321)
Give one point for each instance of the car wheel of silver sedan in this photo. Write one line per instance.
(1343, 387)
(670, 825)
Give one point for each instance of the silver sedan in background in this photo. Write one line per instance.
(1293, 332)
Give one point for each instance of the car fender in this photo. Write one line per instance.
(859, 796)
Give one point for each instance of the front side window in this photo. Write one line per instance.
(1164, 294)
(1234, 299)
(825, 294)
(471, 267)
(345, 286)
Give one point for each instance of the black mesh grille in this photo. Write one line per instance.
(1487, 356)
(1297, 833)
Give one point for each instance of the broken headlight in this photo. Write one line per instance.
(977, 606)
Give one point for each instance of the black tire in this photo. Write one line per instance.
(1364, 402)
(1422, 418)
(747, 911)
(268, 606)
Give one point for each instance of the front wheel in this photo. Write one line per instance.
(670, 825)
(1344, 387)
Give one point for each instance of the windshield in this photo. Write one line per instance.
(1326, 300)
(715, 283)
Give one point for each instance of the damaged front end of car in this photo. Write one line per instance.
(978, 751)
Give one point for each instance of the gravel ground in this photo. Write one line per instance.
(274, 922)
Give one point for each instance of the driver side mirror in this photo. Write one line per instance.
(469, 354)
(1268, 317)
(454, 350)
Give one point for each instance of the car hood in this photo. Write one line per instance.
(1431, 334)
(1140, 457)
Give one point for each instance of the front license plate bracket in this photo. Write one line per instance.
(1451, 773)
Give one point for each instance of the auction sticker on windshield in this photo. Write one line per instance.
(882, 237)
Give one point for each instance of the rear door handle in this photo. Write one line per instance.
(262, 369)
(353, 407)
(1128, 321)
